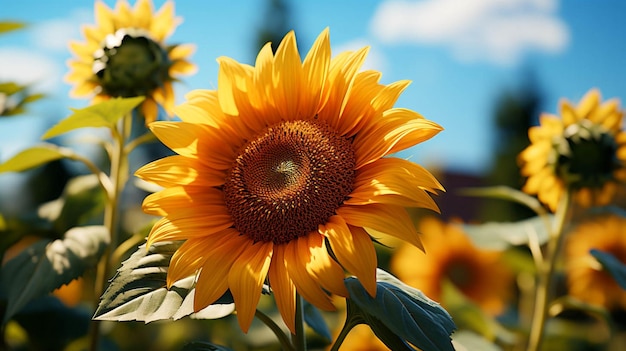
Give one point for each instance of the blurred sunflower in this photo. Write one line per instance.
(280, 172)
(586, 278)
(584, 151)
(125, 55)
(450, 255)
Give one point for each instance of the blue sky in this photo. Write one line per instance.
(460, 54)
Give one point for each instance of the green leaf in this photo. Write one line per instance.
(502, 235)
(104, 114)
(7, 26)
(469, 316)
(33, 157)
(613, 265)
(139, 291)
(45, 266)
(467, 340)
(506, 193)
(400, 312)
(82, 203)
(203, 346)
(315, 320)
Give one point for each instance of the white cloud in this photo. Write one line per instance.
(55, 34)
(498, 31)
(374, 60)
(29, 68)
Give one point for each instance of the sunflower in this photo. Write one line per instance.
(584, 152)
(125, 55)
(478, 274)
(586, 279)
(281, 173)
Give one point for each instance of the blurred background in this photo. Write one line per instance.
(483, 69)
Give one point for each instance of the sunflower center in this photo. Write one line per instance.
(130, 64)
(587, 155)
(289, 180)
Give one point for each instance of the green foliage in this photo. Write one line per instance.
(104, 114)
(139, 290)
(203, 346)
(400, 315)
(45, 266)
(315, 320)
(508, 194)
(33, 157)
(14, 97)
(500, 236)
(7, 26)
(81, 203)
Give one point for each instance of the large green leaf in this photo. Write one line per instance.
(615, 267)
(401, 315)
(81, 203)
(104, 114)
(45, 265)
(7, 26)
(506, 193)
(33, 157)
(139, 292)
(314, 319)
(502, 235)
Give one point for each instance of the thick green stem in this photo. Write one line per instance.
(299, 338)
(111, 218)
(545, 273)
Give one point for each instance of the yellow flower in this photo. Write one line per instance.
(125, 55)
(584, 151)
(280, 172)
(450, 255)
(586, 279)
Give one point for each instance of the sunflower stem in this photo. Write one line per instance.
(299, 338)
(283, 339)
(111, 216)
(546, 271)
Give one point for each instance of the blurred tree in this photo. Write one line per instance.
(276, 22)
(516, 110)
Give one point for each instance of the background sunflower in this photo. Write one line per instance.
(583, 150)
(125, 55)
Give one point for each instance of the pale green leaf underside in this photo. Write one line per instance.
(138, 292)
(104, 114)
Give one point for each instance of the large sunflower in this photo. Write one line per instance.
(125, 55)
(280, 175)
(586, 279)
(478, 274)
(584, 151)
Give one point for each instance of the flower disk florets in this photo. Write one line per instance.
(289, 180)
(586, 155)
(130, 64)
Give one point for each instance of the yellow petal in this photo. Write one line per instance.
(195, 140)
(315, 71)
(305, 284)
(287, 76)
(220, 254)
(245, 280)
(354, 249)
(180, 170)
(187, 260)
(283, 288)
(388, 219)
(588, 103)
(182, 229)
(143, 14)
